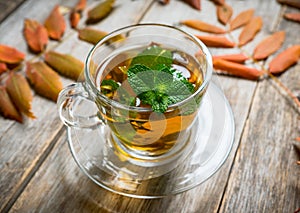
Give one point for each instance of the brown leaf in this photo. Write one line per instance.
(10, 55)
(236, 69)
(216, 41)
(65, 64)
(269, 45)
(36, 35)
(194, 3)
(91, 35)
(3, 67)
(203, 26)
(292, 16)
(74, 19)
(292, 3)
(250, 30)
(100, 11)
(164, 1)
(20, 93)
(237, 58)
(45, 81)
(224, 13)
(7, 108)
(218, 2)
(241, 19)
(80, 6)
(285, 59)
(55, 24)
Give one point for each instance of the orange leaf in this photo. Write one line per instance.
(236, 69)
(20, 93)
(80, 6)
(219, 2)
(237, 58)
(3, 67)
(250, 30)
(36, 35)
(74, 19)
(292, 3)
(298, 139)
(65, 64)
(216, 41)
(269, 45)
(10, 55)
(100, 11)
(203, 26)
(46, 82)
(91, 35)
(285, 59)
(224, 13)
(194, 3)
(241, 19)
(292, 16)
(55, 24)
(164, 1)
(7, 109)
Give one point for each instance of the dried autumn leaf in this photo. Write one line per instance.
(91, 35)
(285, 59)
(20, 93)
(45, 81)
(237, 58)
(100, 11)
(164, 1)
(10, 55)
(224, 13)
(74, 19)
(250, 30)
(292, 16)
(241, 19)
(64, 64)
(236, 69)
(7, 108)
(292, 3)
(203, 26)
(3, 67)
(216, 41)
(298, 139)
(194, 3)
(80, 6)
(269, 45)
(55, 24)
(219, 2)
(36, 35)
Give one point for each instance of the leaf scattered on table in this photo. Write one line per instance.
(74, 19)
(36, 35)
(80, 6)
(298, 139)
(292, 3)
(218, 2)
(55, 24)
(237, 69)
(237, 58)
(100, 11)
(250, 30)
(64, 64)
(292, 17)
(285, 59)
(216, 41)
(3, 67)
(10, 55)
(203, 26)
(7, 108)
(164, 1)
(45, 81)
(269, 45)
(20, 93)
(224, 13)
(194, 3)
(91, 35)
(241, 19)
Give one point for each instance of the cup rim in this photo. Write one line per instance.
(196, 40)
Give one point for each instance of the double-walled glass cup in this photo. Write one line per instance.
(139, 134)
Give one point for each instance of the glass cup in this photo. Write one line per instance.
(138, 133)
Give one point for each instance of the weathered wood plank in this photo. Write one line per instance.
(7, 7)
(22, 146)
(92, 198)
(265, 176)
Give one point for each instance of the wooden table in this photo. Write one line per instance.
(38, 173)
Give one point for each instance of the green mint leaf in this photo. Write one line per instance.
(152, 57)
(108, 86)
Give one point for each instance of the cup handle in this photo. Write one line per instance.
(68, 101)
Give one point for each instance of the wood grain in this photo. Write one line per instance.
(7, 7)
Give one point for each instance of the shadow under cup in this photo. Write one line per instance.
(139, 133)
